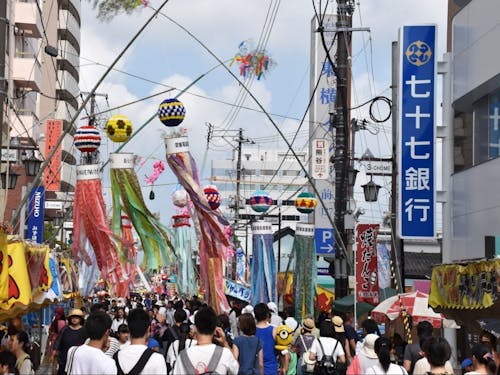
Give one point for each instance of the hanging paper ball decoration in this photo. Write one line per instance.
(260, 201)
(213, 196)
(180, 198)
(305, 202)
(87, 139)
(119, 128)
(171, 112)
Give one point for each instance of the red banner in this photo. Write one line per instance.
(367, 289)
(52, 177)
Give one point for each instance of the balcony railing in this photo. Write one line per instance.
(27, 19)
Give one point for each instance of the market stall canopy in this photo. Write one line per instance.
(415, 304)
(490, 325)
(346, 304)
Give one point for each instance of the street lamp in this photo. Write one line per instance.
(370, 190)
(31, 165)
(11, 181)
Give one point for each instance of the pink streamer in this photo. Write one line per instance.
(158, 169)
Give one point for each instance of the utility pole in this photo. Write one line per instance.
(3, 37)
(340, 122)
(238, 177)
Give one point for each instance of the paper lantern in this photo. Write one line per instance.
(171, 112)
(213, 196)
(180, 198)
(119, 128)
(305, 202)
(87, 139)
(260, 201)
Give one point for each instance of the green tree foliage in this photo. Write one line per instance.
(107, 9)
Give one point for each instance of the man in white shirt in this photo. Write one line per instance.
(137, 355)
(206, 356)
(89, 359)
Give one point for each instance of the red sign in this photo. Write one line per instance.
(52, 176)
(367, 289)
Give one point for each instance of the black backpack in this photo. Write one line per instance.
(327, 365)
(34, 353)
(212, 365)
(139, 366)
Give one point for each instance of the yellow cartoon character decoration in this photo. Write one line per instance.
(284, 337)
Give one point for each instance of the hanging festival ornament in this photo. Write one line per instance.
(119, 128)
(264, 274)
(252, 61)
(305, 202)
(180, 198)
(87, 138)
(214, 247)
(213, 196)
(260, 201)
(171, 112)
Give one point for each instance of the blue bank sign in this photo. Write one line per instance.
(35, 214)
(417, 131)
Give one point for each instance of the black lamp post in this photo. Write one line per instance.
(32, 166)
(370, 190)
(11, 183)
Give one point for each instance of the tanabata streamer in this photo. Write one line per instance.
(127, 198)
(90, 223)
(304, 275)
(264, 282)
(214, 245)
(184, 243)
(158, 168)
(252, 61)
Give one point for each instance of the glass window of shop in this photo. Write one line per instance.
(487, 128)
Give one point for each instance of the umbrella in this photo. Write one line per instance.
(415, 304)
(491, 325)
(346, 304)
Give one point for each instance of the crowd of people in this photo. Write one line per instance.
(176, 336)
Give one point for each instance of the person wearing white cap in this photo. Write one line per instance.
(275, 318)
(248, 309)
(365, 357)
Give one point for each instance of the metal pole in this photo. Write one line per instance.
(3, 46)
(279, 237)
(238, 176)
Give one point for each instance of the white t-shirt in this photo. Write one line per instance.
(328, 345)
(116, 323)
(422, 367)
(200, 356)
(173, 350)
(392, 370)
(87, 360)
(129, 356)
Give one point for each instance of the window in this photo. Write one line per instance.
(487, 128)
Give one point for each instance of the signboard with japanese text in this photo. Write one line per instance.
(52, 173)
(323, 93)
(237, 290)
(36, 212)
(417, 132)
(367, 289)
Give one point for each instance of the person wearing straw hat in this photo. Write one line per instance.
(365, 357)
(70, 335)
(303, 342)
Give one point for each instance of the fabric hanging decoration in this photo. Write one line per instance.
(264, 282)
(184, 242)
(214, 246)
(127, 198)
(304, 275)
(90, 223)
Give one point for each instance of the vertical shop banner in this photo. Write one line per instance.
(417, 133)
(367, 289)
(52, 173)
(35, 215)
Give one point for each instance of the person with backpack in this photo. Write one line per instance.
(71, 335)
(17, 345)
(212, 354)
(173, 333)
(185, 341)
(89, 359)
(384, 366)
(303, 342)
(326, 350)
(137, 358)
(248, 348)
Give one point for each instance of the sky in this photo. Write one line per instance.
(165, 55)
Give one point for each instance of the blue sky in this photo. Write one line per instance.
(167, 55)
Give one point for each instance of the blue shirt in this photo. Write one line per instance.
(152, 343)
(270, 361)
(248, 347)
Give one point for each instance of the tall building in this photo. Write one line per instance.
(275, 171)
(41, 75)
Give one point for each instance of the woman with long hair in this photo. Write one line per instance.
(185, 340)
(247, 347)
(119, 319)
(17, 345)
(483, 360)
(384, 366)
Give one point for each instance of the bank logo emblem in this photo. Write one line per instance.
(418, 53)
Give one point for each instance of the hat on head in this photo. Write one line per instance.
(338, 324)
(308, 324)
(272, 306)
(291, 322)
(76, 312)
(368, 346)
(248, 309)
(466, 363)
